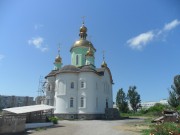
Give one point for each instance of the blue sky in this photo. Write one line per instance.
(141, 39)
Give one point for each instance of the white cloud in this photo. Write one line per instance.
(38, 26)
(1, 57)
(141, 40)
(138, 42)
(171, 25)
(44, 49)
(38, 42)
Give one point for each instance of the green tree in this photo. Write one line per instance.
(173, 101)
(0, 103)
(121, 101)
(174, 93)
(134, 98)
(157, 109)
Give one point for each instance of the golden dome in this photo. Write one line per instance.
(83, 29)
(103, 64)
(83, 43)
(58, 59)
(90, 52)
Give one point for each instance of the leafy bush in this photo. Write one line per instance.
(143, 111)
(53, 119)
(146, 132)
(157, 109)
(178, 108)
(167, 128)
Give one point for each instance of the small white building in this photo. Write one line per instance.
(147, 105)
(80, 90)
(164, 102)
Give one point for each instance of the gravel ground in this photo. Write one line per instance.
(87, 127)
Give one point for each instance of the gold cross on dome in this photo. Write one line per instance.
(103, 52)
(83, 19)
(59, 45)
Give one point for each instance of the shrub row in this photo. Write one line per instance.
(167, 128)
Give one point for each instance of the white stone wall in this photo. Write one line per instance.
(96, 90)
(106, 91)
(50, 91)
(63, 93)
(88, 92)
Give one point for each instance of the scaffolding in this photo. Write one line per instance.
(41, 91)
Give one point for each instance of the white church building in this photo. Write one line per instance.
(80, 90)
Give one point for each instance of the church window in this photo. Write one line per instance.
(72, 85)
(48, 102)
(77, 59)
(49, 87)
(106, 103)
(71, 102)
(82, 84)
(82, 102)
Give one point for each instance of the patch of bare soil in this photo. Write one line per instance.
(134, 126)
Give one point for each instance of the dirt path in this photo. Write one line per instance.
(91, 127)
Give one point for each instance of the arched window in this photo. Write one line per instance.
(48, 101)
(48, 87)
(72, 85)
(77, 60)
(82, 84)
(71, 102)
(82, 102)
(106, 103)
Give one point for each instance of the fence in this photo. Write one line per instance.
(12, 123)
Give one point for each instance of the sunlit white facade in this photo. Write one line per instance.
(80, 90)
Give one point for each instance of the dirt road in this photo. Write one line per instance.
(88, 127)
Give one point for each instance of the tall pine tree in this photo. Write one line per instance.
(121, 101)
(134, 98)
(174, 93)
